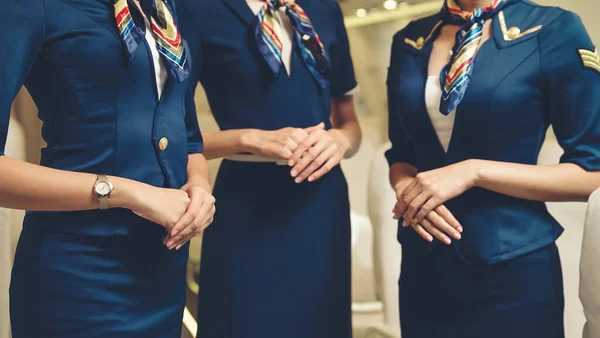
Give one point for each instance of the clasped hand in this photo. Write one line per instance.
(421, 202)
(184, 213)
(311, 152)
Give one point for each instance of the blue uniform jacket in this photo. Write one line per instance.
(101, 111)
(539, 69)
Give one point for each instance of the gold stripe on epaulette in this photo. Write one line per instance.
(590, 59)
(420, 42)
(514, 33)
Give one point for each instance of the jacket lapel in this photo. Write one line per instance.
(241, 10)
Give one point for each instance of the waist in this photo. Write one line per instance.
(89, 223)
(250, 158)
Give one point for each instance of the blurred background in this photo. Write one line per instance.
(376, 255)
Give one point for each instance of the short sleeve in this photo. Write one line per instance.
(403, 149)
(571, 66)
(190, 32)
(22, 37)
(194, 136)
(342, 77)
(189, 26)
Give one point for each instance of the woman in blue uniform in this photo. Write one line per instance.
(278, 77)
(109, 80)
(463, 163)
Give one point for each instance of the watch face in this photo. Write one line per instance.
(103, 188)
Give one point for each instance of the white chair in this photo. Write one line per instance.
(387, 252)
(589, 291)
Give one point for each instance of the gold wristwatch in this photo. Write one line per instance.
(103, 188)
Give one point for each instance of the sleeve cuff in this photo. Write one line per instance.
(353, 91)
(195, 148)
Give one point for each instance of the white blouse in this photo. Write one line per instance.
(442, 124)
(159, 68)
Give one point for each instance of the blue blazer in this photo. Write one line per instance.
(101, 111)
(522, 83)
(241, 90)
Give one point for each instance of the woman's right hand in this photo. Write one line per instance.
(439, 223)
(162, 206)
(276, 144)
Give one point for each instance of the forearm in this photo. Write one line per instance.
(226, 143)
(401, 174)
(561, 182)
(344, 120)
(27, 186)
(197, 171)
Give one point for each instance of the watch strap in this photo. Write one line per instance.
(103, 199)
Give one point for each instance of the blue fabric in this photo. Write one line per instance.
(101, 115)
(276, 261)
(441, 296)
(74, 286)
(518, 89)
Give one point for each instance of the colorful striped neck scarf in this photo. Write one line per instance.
(456, 75)
(267, 31)
(165, 32)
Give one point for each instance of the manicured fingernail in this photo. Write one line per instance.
(447, 241)
(298, 180)
(310, 179)
(294, 173)
(457, 235)
(430, 239)
(460, 229)
(291, 163)
(179, 247)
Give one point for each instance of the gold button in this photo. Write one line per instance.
(163, 143)
(514, 32)
(420, 42)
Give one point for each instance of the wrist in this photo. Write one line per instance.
(248, 140)
(340, 138)
(199, 181)
(402, 184)
(126, 193)
(477, 170)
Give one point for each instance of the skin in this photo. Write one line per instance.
(182, 212)
(421, 196)
(311, 152)
(27, 186)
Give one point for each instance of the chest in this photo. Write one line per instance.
(444, 43)
(504, 100)
(229, 49)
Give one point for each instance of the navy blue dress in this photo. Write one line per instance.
(102, 273)
(276, 261)
(503, 279)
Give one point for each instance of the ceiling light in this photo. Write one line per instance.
(390, 4)
(361, 12)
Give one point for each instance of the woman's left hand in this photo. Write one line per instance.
(318, 154)
(433, 188)
(198, 216)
